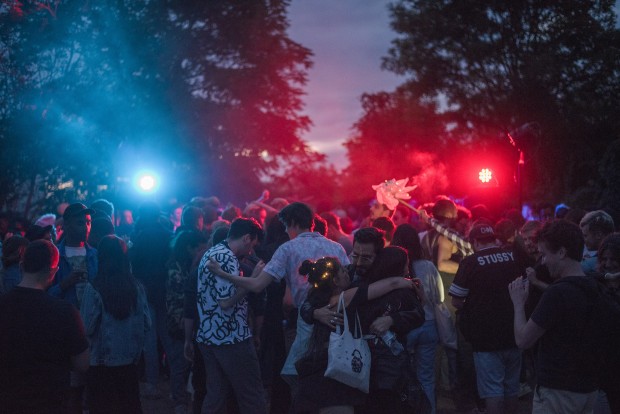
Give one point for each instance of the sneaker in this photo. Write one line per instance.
(150, 392)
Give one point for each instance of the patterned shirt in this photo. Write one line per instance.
(288, 258)
(218, 326)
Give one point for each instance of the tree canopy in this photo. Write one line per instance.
(492, 67)
(209, 93)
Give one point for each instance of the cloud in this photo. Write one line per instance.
(348, 38)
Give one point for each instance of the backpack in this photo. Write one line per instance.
(602, 330)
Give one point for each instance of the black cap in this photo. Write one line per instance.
(36, 232)
(76, 209)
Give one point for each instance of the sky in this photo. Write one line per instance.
(348, 39)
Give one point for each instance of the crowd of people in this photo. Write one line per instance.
(483, 308)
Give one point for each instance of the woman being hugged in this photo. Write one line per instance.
(116, 318)
(423, 342)
(328, 278)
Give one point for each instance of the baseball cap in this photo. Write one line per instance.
(36, 232)
(76, 209)
(481, 231)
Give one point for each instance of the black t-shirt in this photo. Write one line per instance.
(487, 317)
(563, 312)
(38, 336)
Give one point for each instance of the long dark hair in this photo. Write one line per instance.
(407, 237)
(180, 245)
(114, 281)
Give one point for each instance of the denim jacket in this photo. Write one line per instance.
(64, 269)
(114, 342)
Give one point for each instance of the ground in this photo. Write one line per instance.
(444, 403)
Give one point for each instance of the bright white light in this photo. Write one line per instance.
(485, 175)
(147, 183)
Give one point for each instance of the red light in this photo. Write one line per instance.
(485, 175)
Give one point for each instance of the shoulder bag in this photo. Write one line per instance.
(348, 357)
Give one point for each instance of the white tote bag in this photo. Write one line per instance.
(444, 321)
(348, 356)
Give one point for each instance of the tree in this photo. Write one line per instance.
(208, 92)
(498, 65)
(396, 137)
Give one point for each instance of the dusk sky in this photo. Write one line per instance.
(348, 39)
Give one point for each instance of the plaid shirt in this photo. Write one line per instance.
(463, 245)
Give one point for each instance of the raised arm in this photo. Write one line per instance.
(383, 286)
(526, 332)
(254, 283)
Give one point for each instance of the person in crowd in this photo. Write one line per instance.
(480, 212)
(192, 218)
(41, 339)
(595, 226)
(175, 216)
(335, 233)
(101, 226)
(231, 212)
(125, 227)
(463, 221)
(546, 212)
(186, 246)
(609, 262)
(367, 244)
(328, 279)
(391, 317)
(565, 384)
(272, 352)
(149, 256)
(387, 226)
(36, 232)
(116, 318)
(256, 212)
(423, 341)
(48, 219)
(485, 314)
(78, 260)
(379, 210)
(77, 266)
(211, 209)
(609, 276)
(445, 255)
(527, 238)
(224, 336)
(319, 225)
(304, 244)
(561, 210)
(273, 208)
(506, 232)
(12, 254)
(104, 208)
(401, 215)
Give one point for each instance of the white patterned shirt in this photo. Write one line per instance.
(218, 326)
(289, 256)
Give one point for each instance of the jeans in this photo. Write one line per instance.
(423, 343)
(233, 366)
(173, 348)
